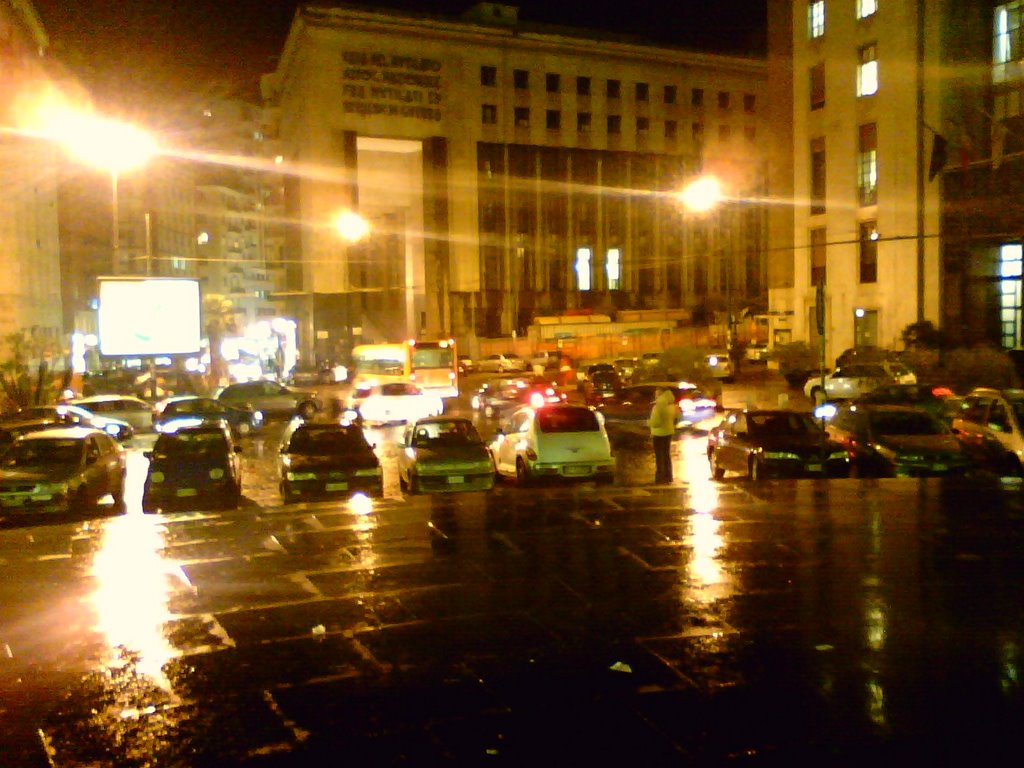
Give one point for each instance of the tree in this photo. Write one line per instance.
(26, 370)
(922, 335)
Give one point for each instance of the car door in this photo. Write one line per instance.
(731, 448)
(96, 468)
(971, 428)
(512, 429)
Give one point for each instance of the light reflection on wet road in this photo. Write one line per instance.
(839, 621)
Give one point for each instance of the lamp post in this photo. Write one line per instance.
(703, 195)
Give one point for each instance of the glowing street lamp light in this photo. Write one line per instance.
(351, 226)
(702, 195)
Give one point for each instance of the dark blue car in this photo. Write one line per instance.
(243, 421)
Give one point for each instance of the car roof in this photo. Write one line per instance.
(105, 399)
(77, 433)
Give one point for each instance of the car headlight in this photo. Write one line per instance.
(301, 475)
(257, 416)
(156, 477)
(112, 429)
(216, 473)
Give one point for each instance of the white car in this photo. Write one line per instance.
(857, 379)
(553, 441)
(719, 365)
(502, 364)
(395, 403)
(134, 410)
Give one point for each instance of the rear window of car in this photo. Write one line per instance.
(327, 440)
(32, 453)
(567, 420)
(905, 423)
(764, 424)
(205, 441)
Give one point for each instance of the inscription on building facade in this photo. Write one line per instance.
(391, 85)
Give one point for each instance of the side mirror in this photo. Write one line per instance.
(148, 455)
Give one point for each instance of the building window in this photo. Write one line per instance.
(671, 128)
(553, 120)
(670, 94)
(868, 252)
(1010, 273)
(1008, 42)
(867, 71)
(583, 122)
(723, 99)
(488, 75)
(867, 165)
(749, 103)
(613, 269)
(817, 83)
(815, 19)
(697, 97)
(750, 133)
(866, 8)
(724, 133)
(489, 114)
(522, 117)
(583, 276)
(642, 92)
(520, 79)
(818, 255)
(613, 89)
(614, 124)
(582, 86)
(697, 133)
(552, 82)
(817, 176)
(643, 124)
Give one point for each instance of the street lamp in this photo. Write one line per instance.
(351, 226)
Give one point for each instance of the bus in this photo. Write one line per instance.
(432, 365)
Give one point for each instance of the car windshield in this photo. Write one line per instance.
(567, 420)
(440, 433)
(190, 442)
(326, 440)
(775, 424)
(34, 453)
(905, 423)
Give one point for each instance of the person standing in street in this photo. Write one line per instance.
(662, 424)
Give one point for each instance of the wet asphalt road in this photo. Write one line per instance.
(704, 623)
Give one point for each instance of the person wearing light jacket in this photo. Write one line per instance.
(662, 424)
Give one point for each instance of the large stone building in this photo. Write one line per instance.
(509, 171)
(30, 296)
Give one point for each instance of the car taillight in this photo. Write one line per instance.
(942, 391)
(536, 400)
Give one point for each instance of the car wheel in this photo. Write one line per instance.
(522, 472)
(118, 492)
(307, 410)
(716, 469)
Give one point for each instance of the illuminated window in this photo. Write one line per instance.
(583, 277)
(867, 71)
(866, 8)
(867, 165)
(816, 19)
(818, 262)
(1008, 43)
(1010, 273)
(868, 252)
(613, 269)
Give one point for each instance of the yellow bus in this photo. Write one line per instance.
(433, 366)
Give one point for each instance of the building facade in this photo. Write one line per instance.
(30, 295)
(509, 171)
(867, 103)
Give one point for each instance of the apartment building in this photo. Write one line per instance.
(509, 171)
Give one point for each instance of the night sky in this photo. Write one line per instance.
(160, 47)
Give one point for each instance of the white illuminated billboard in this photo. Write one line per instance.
(139, 317)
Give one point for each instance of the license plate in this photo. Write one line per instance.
(814, 467)
(187, 492)
(577, 470)
(337, 486)
(456, 479)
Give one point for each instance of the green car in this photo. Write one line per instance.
(442, 454)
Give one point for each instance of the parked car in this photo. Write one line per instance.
(850, 381)
(194, 465)
(325, 460)
(756, 352)
(442, 454)
(938, 400)
(134, 410)
(394, 403)
(632, 405)
(76, 416)
(626, 368)
(61, 469)
(897, 441)
(272, 400)
(12, 429)
(242, 420)
(466, 365)
(494, 398)
(719, 365)
(600, 386)
(774, 443)
(553, 441)
(990, 426)
(312, 375)
(502, 363)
